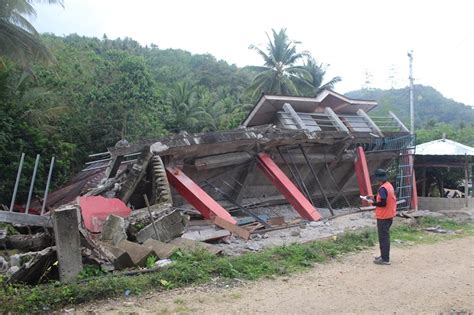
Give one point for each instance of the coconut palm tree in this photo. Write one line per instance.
(316, 76)
(19, 40)
(185, 111)
(280, 73)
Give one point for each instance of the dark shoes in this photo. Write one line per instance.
(379, 261)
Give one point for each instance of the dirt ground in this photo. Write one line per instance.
(435, 278)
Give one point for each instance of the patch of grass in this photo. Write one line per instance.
(90, 271)
(235, 295)
(179, 301)
(150, 261)
(199, 267)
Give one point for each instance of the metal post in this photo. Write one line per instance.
(151, 216)
(32, 185)
(412, 112)
(466, 184)
(472, 181)
(17, 182)
(45, 199)
(317, 179)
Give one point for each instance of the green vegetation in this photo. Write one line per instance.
(99, 91)
(150, 261)
(434, 114)
(199, 267)
(19, 40)
(287, 71)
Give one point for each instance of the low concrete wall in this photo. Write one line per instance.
(438, 204)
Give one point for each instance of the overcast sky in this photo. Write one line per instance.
(353, 37)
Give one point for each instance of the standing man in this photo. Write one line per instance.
(385, 210)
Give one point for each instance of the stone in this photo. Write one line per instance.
(121, 259)
(138, 253)
(209, 234)
(190, 245)
(12, 270)
(316, 223)
(3, 238)
(68, 245)
(15, 260)
(32, 266)
(114, 229)
(3, 265)
(253, 246)
(161, 250)
(169, 226)
(295, 233)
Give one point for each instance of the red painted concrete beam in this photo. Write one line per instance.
(197, 197)
(363, 176)
(286, 187)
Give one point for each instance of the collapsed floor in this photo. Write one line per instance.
(284, 176)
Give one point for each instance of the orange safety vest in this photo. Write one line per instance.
(390, 210)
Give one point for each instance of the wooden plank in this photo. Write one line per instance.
(243, 233)
(25, 219)
(114, 166)
(135, 175)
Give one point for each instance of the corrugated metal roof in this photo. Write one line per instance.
(444, 147)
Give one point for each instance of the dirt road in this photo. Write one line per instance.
(436, 278)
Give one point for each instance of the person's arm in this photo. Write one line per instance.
(383, 198)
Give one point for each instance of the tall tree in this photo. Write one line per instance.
(280, 73)
(19, 40)
(316, 76)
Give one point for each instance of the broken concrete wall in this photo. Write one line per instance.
(168, 225)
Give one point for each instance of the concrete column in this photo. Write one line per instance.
(68, 245)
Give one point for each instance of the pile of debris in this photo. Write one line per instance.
(98, 227)
(155, 197)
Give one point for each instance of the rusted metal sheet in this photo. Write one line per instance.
(197, 197)
(286, 187)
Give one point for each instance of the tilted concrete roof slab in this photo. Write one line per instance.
(268, 105)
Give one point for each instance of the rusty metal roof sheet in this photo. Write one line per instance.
(444, 147)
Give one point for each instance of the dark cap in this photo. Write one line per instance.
(380, 175)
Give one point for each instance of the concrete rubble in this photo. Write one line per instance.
(292, 172)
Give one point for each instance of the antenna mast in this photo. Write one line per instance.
(412, 111)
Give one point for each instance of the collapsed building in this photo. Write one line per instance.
(315, 154)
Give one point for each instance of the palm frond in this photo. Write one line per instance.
(21, 46)
(19, 20)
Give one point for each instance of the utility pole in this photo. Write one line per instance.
(412, 110)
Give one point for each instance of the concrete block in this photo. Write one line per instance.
(122, 258)
(114, 229)
(138, 253)
(168, 227)
(209, 234)
(161, 250)
(190, 245)
(68, 245)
